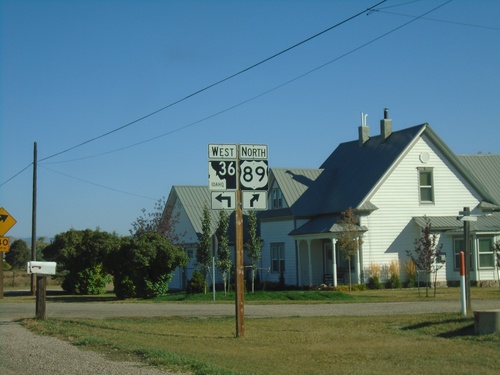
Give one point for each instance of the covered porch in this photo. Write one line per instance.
(319, 258)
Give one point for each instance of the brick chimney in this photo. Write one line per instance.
(385, 125)
(363, 130)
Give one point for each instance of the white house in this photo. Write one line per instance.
(393, 181)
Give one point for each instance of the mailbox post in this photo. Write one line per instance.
(42, 270)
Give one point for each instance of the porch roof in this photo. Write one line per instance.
(326, 224)
(484, 224)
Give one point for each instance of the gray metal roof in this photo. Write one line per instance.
(349, 174)
(486, 169)
(356, 170)
(322, 225)
(194, 199)
(302, 189)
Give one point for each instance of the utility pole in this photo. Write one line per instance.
(33, 220)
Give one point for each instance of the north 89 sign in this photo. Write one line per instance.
(253, 174)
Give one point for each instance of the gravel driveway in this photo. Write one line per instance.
(22, 352)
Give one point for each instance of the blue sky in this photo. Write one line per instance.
(72, 71)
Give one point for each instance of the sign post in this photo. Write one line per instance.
(238, 179)
(463, 299)
(41, 270)
(466, 217)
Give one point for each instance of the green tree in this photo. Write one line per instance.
(40, 245)
(80, 255)
(18, 255)
(203, 253)
(426, 253)
(162, 220)
(253, 246)
(143, 265)
(350, 238)
(223, 262)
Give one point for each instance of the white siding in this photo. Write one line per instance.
(391, 229)
(188, 239)
(277, 231)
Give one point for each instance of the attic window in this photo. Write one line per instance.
(277, 198)
(426, 182)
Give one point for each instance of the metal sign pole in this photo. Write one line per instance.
(467, 259)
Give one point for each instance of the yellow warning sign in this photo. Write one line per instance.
(6, 221)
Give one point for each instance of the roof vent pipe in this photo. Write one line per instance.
(385, 125)
(363, 130)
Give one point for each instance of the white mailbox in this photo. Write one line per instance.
(44, 268)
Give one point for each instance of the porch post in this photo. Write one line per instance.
(358, 264)
(309, 260)
(299, 266)
(334, 255)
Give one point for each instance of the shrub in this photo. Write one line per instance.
(160, 287)
(124, 288)
(359, 287)
(374, 276)
(411, 271)
(394, 279)
(197, 283)
(92, 281)
(141, 265)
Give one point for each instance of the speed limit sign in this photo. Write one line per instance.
(4, 244)
(254, 174)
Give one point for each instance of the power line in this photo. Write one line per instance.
(215, 84)
(99, 185)
(438, 20)
(242, 103)
(415, 18)
(17, 174)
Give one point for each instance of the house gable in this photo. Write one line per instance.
(357, 169)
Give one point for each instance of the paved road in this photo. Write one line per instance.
(12, 311)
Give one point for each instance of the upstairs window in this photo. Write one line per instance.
(426, 185)
(276, 198)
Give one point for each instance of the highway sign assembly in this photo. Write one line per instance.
(237, 180)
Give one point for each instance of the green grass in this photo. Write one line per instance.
(263, 297)
(276, 297)
(429, 343)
